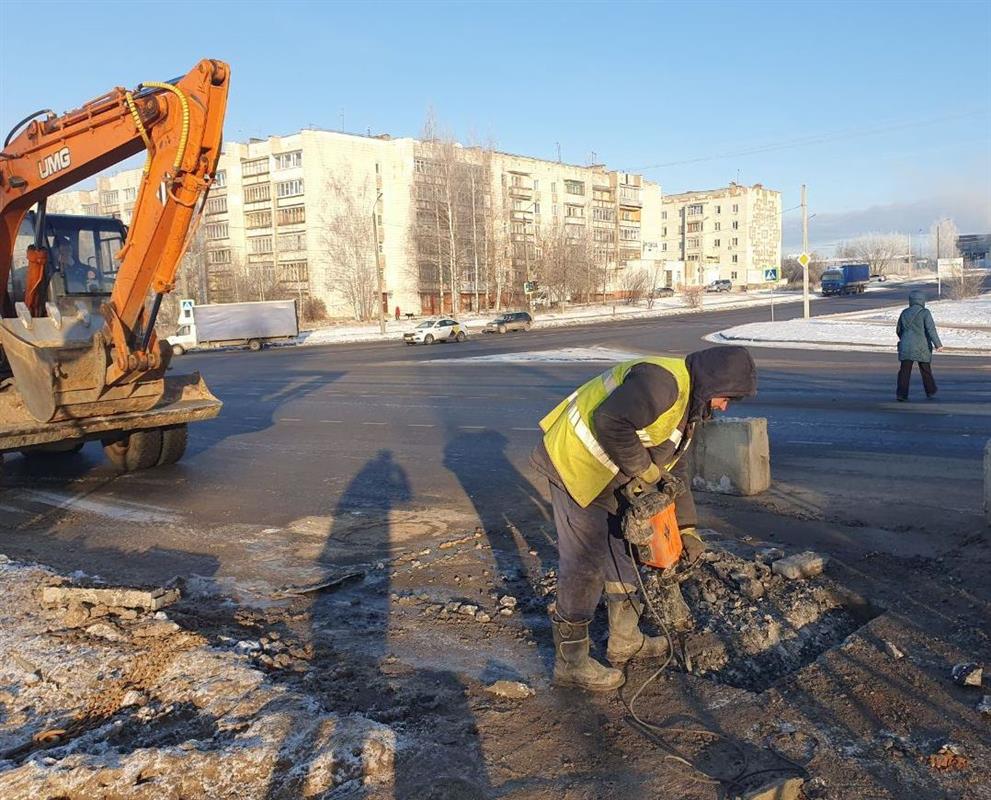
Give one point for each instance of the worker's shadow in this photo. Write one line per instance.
(364, 665)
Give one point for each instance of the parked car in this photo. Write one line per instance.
(513, 321)
(878, 277)
(663, 291)
(720, 286)
(429, 331)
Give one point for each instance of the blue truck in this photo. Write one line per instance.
(845, 279)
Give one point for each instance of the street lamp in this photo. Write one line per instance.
(378, 262)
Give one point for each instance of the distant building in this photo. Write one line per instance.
(731, 234)
(975, 248)
(273, 218)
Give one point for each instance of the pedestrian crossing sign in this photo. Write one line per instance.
(771, 274)
(186, 306)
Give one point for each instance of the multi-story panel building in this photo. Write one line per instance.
(288, 215)
(733, 233)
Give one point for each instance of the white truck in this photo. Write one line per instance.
(235, 324)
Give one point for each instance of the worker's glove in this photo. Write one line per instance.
(692, 545)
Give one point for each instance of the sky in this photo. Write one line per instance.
(883, 109)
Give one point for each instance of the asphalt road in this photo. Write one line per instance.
(310, 438)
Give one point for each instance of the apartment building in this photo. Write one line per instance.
(733, 233)
(456, 226)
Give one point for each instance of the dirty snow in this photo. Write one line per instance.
(964, 328)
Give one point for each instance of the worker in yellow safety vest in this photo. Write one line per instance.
(633, 422)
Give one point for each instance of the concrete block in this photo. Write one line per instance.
(732, 456)
(800, 565)
(987, 481)
(146, 599)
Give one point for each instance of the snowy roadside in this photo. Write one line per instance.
(964, 327)
(578, 315)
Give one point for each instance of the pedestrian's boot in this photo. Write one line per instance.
(626, 641)
(573, 666)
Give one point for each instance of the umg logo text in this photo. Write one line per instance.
(56, 162)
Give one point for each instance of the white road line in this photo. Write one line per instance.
(333, 421)
(289, 419)
(418, 425)
(472, 427)
(373, 423)
(120, 510)
(438, 396)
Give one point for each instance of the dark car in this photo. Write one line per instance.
(512, 321)
(663, 291)
(720, 286)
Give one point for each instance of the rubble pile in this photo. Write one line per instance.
(102, 695)
(758, 619)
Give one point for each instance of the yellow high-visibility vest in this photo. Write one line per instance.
(584, 467)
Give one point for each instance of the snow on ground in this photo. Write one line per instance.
(964, 328)
(564, 355)
(575, 315)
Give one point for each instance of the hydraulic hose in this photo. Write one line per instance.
(184, 103)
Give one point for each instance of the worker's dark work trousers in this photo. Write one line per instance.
(905, 374)
(591, 551)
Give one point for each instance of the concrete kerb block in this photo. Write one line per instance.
(732, 456)
(987, 481)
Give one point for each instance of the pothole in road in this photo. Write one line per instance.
(753, 628)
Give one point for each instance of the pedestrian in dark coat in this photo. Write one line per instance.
(917, 338)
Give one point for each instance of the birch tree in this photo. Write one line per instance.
(878, 250)
(346, 232)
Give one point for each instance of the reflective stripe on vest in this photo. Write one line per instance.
(584, 466)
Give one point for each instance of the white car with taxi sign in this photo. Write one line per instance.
(441, 329)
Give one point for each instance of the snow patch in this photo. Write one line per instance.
(564, 355)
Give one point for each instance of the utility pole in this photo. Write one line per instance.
(378, 262)
(939, 274)
(805, 251)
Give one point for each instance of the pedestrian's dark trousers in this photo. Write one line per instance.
(905, 374)
(591, 551)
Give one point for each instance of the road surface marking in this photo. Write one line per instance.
(333, 421)
(373, 423)
(129, 512)
(438, 396)
(472, 427)
(419, 425)
(524, 429)
(290, 419)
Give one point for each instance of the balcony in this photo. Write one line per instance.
(630, 198)
(520, 191)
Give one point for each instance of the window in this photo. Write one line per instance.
(719, 209)
(695, 241)
(603, 235)
(692, 257)
(554, 209)
(629, 234)
(130, 193)
(217, 230)
(220, 179)
(294, 272)
(664, 231)
(91, 209)
(605, 195)
(108, 198)
(629, 214)
(293, 159)
(536, 208)
(257, 193)
(664, 247)
(735, 259)
(694, 227)
(574, 187)
(258, 219)
(420, 165)
(629, 194)
(718, 226)
(553, 187)
(536, 185)
(293, 188)
(292, 215)
(604, 214)
(736, 225)
(715, 242)
(732, 275)
(260, 244)
(257, 166)
(574, 211)
(292, 241)
(217, 205)
(218, 256)
(664, 215)
(735, 241)
(694, 210)
(736, 207)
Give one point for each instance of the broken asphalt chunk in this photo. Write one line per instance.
(801, 565)
(145, 599)
(968, 674)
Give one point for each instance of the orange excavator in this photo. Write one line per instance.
(79, 296)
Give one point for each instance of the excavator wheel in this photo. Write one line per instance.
(174, 440)
(135, 450)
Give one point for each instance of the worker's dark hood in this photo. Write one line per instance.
(726, 371)
(917, 298)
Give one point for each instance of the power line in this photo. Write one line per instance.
(805, 141)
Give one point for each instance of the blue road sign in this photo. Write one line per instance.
(771, 274)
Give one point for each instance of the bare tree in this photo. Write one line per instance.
(878, 250)
(943, 235)
(633, 284)
(348, 239)
(564, 261)
(792, 271)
